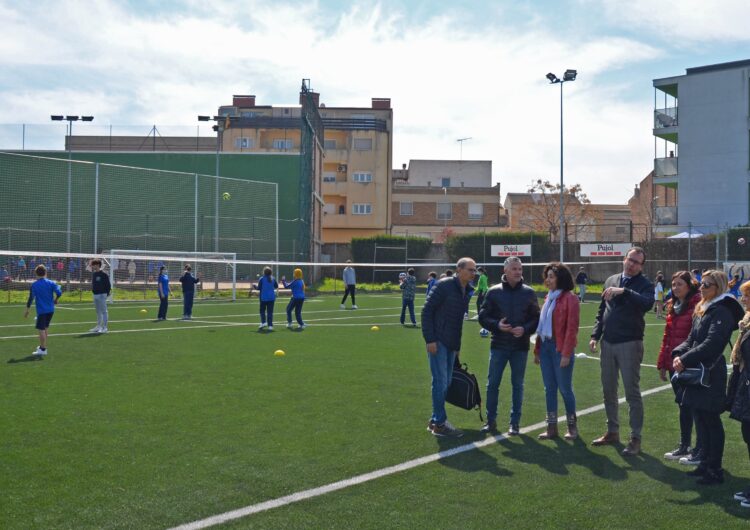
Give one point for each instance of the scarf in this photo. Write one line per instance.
(736, 357)
(544, 329)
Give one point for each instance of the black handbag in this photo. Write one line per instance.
(734, 380)
(698, 376)
(463, 391)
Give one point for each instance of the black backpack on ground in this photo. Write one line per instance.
(464, 389)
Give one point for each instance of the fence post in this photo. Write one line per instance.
(195, 217)
(96, 208)
(690, 246)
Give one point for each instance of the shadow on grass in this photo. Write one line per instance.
(554, 456)
(27, 359)
(472, 461)
(88, 335)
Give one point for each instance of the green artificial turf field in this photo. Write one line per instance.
(158, 424)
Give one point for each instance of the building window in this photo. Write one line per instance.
(362, 144)
(619, 230)
(476, 210)
(407, 208)
(364, 208)
(446, 182)
(329, 176)
(282, 143)
(250, 114)
(444, 211)
(362, 177)
(244, 143)
(362, 117)
(329, 144)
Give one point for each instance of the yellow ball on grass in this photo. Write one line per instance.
(279, 353)
(375, 328)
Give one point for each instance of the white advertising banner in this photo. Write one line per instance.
(504, 251)
(604, 249)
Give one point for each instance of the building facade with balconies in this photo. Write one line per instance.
(355, 170)
(702, 147)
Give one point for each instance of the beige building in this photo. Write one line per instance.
(357, 157)
(433, 198)
(653, 208)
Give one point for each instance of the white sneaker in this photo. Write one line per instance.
(102, 330)
(94, 330)
(270, 328)
(343, 306)
(39, 352)
(262, 326)
(289, 325)
(354, 307)
(303, 326)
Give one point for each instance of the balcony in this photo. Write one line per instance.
(665, 215)
(664, 118)
(665, 170)
(339, 187)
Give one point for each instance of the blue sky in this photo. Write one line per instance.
(452, 69)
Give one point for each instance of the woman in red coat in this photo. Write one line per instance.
(556, 337)
(680, 308)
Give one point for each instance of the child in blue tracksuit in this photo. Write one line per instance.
(298, 298)
(431, 282)
(42, 290)
(163, 288)
(267, 286)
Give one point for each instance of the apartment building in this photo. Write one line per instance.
(702, 147)
(433, 198)
(357, 157)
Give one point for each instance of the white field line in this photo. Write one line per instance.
(186, 325)
(88, 322)
(599, 359)
(373, 475)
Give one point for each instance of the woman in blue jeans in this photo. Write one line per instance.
(556, 337)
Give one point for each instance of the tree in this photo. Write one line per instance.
(543, 213)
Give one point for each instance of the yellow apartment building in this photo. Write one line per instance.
(356, 164)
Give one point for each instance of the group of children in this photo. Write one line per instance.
(268, 287)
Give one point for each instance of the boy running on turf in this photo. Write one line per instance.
(42, 290)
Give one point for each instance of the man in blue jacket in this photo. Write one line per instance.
(442, 323)
(510, 311)
(619, 325)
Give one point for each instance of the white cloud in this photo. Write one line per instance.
(446, 80)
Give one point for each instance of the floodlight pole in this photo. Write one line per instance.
(570, 75)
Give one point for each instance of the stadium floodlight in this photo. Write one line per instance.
(72, 118)
(57, 117)
(87, 118)
(204, 118)
(569, 75)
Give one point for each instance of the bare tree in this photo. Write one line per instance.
(544, 211)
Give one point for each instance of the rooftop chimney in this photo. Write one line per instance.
(243, 101)
(381, 103)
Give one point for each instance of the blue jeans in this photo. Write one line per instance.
(296, 304)
(410, 305)
(187, 303)
(556, 378)
(499, 358)
(266, 308)
(441, 367)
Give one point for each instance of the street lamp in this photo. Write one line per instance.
(219, 128)
(569, 75)
(70, 120)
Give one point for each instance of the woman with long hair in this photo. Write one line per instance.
(679, 309)
(740, 408)
(556, 337)
(716, 317)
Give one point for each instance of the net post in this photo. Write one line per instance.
(234, 278)
(96, 208)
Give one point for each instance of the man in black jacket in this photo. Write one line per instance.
(619, 325)
(511, 312)
(442, 323)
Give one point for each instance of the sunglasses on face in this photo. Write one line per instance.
(707, 285)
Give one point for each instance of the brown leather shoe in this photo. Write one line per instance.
(633, 447)
(607, 439)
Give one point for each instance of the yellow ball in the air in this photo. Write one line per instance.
(375, 328)
(227, 196)
(279, 353)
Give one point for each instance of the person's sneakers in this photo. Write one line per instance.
(354, 307)
(39, 352)
(302, 326)
(95, 329)
(633, 447)
(489, 427)
(263, 325)
(446, 429)
(102, 330)
(681, 451)
(270, 328)
(513, 430)
(289, 325)
(745, 504)
(712, 476)
(430, 425)
(466, 316)
(742, 496)
(694, 459)
(343, 306)
(607, 439)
